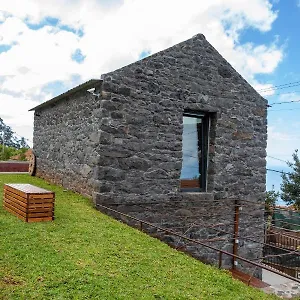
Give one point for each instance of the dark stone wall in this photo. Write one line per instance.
(143, 114)
(125, 147)
(65, 138)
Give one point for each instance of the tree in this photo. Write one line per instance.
(290, 186)
(270, 200)
(10, 140)
(270, 203)
(8, 152)
(22, 143)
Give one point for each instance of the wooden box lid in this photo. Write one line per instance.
(28, 188)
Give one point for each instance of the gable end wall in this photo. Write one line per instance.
(139, 167)
(144, 110)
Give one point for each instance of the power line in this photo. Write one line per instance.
(280, 86)
(284, 93)
(284, 102)
(277, 158)
(282, 172)
(284, 109)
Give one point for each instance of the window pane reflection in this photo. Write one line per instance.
(193, 154)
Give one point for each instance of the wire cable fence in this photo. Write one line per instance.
(218, 236)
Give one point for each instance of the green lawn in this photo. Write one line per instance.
(84, 254)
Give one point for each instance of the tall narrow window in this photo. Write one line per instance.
(194, 152)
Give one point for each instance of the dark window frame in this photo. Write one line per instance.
(203, 136)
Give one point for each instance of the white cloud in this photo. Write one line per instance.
(30, 64)
(281, 144)
(289, 96)
(116, 33)
(14, 112)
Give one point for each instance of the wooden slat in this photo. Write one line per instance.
(41, 205)
(31, 214)
(41, 209)
(30, 220)
(11, 207)
(20, 203)
(15, 191)
(40, 214)
(41, 196)
(15, 204)
(36, 201)
(41, 200)
(15, 213)
(11, 198)
(10, 193)
(48, 206)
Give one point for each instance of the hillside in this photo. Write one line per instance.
(84, 254)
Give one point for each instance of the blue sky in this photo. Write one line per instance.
(284, 118)
(47, 48)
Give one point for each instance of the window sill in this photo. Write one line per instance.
(197, 195)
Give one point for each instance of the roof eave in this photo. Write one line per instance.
(86, 85)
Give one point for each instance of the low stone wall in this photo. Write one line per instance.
(199, 218)
(14, 166)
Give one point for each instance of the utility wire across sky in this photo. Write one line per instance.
(285, 109)
(280, 86)
(284, 102)
(284, 93)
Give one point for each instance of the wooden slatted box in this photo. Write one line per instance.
(28, 202)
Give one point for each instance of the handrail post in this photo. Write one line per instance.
(141, 225)
(220, 259)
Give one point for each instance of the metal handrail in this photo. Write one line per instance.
(142, 222)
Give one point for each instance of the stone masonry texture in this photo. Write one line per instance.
(124, 148)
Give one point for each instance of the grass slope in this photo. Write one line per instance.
(84, 254)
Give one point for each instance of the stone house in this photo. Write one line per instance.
(177, 133)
